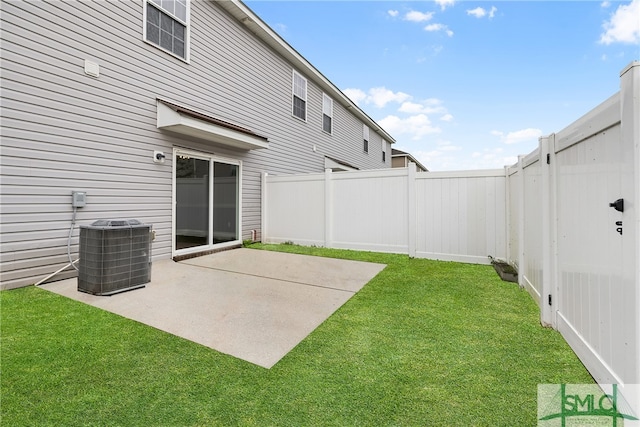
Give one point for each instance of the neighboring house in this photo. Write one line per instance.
(401, 159)
(168, 112)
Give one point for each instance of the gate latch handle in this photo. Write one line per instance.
(618, 205)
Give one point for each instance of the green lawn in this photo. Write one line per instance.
(424, 343)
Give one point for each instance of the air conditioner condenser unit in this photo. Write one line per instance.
(115, 256)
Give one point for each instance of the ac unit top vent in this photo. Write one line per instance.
(111, 223)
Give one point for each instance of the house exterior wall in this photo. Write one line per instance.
(403, 161)
(63, 130)
(399, 162)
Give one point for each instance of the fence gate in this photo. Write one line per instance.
(594, 164)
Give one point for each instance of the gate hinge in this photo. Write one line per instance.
(549, 299)
(548, 158)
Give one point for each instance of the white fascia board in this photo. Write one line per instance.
(174, 121)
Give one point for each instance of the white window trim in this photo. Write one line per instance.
(326, 98)
(187, 37)
(365, 137)
(293, 93)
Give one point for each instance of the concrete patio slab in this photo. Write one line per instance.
(251, 304)
(308, 270)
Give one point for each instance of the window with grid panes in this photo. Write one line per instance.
(167, 25)
(327, 113)
(365, 137)
(299, 96)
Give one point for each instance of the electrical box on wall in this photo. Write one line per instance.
(78, 199)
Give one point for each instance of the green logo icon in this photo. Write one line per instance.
(567, 405)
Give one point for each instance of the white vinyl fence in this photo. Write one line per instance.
(553, 215)
(447, 216)
(578, 255)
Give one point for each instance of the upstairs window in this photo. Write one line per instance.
(299, 96)
(365, 137)
(384, 151)
(327, 113)
(167, 25)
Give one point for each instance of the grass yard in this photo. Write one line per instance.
(424, 343)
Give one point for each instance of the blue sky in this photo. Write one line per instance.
(465, 84)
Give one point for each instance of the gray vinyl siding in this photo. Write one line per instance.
(63, 130)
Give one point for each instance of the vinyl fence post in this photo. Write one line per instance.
(328, 208)
(521, 204)
(507, 216)
(411, 205)
(553, 230)
(263, 205)
(546, 291)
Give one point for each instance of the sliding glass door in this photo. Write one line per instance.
(206, 202)
(225, 202)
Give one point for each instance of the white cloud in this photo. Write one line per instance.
(413, 121)
(381, 96)
(280, 28)
(415, 16)
(624, 26)
(447, 146)
(510, 160)
(444, 155)
(378, 96)
(524, 135)
(440, 158)
(411, 108)
(444, 3)
(479, 12)
(490, 158)
(430, 158)
(356, 95)
(393, 13)
(605, 4)
(439, 27)
(415, 127)
(428, 106)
